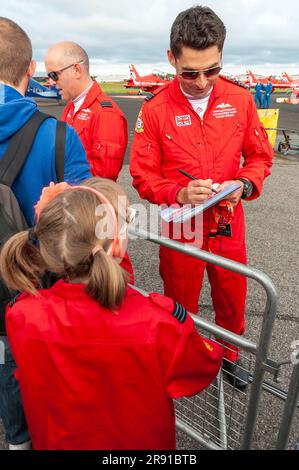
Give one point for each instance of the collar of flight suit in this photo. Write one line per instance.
(177, 95)
(93, 94)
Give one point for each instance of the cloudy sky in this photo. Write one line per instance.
(261, 34)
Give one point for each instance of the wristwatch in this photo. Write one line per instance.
(247, 188)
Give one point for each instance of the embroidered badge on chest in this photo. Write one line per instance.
(85, 114)
(224, 110)
(183, 120)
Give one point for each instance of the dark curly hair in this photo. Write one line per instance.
(198, 28)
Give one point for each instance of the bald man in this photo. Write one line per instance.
(99, 122)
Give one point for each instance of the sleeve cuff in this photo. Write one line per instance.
(172, 194)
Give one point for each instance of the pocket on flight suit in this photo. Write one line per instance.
(107, 159)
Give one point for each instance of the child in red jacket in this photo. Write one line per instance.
(98, 362)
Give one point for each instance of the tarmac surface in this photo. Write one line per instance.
(272, 244)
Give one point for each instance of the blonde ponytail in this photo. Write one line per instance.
(107, 281)
(21, 263)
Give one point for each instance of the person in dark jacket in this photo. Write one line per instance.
(16, 69)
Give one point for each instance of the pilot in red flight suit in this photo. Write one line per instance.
(98, 362)
(99, 122)
(203, 124)
(102, 128)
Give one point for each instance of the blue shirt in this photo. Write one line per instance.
(39, 168)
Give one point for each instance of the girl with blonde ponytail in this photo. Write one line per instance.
(68, 245)
(98, 362)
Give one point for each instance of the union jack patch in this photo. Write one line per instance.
(184, 120)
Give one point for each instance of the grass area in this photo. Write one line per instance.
(116, 87)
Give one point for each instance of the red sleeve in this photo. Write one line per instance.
(145, 162)
(109, 143)
(257, 152)
(194, 365)
(188, 362)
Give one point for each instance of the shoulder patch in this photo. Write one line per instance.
(19, 296)
(149, 96)
(139, 127)
(174, 308)
(235, 82)
(106, 104)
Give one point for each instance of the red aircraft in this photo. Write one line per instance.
(276, 83)
(292, 83)
(146, 83)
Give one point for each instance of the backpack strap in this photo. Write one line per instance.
(19, 147)
(60, 150)
(21, 143)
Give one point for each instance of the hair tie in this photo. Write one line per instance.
(96, 249)
(49, 193)
(32, 237)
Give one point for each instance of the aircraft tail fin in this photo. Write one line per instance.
(285, 75)
(253, 77)
(134, 74)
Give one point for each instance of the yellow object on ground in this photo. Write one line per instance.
(269, 117)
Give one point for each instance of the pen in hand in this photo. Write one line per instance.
(193, 178)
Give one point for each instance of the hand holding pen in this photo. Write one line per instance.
(197, 191)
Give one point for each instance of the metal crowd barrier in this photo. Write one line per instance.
(222, 417)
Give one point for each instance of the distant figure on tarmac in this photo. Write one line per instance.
(99, 122)
(267, 95)
(258, 95)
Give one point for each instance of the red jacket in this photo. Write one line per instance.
(171, 136)
(95, 379)
(102, 128)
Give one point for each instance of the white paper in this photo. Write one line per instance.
(186, 212)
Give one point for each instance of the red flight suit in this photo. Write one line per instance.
(171, 136)
(91, 378)
(102, 128)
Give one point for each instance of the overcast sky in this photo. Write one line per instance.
(261, 34)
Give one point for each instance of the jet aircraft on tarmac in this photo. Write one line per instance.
(146, 83)
(294, 84)
(37, 90)
(283, 84)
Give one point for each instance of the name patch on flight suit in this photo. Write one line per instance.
(224, 110)
(84, 115)
(139, 123)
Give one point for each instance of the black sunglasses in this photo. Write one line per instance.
(54, 75)
(194, 74)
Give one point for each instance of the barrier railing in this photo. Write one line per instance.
(234, 423)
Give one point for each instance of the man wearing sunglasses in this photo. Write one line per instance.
(203, 124)
(99, 122)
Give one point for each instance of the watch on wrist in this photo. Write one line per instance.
(247, 188)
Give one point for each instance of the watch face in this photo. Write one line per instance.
(247, 189)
